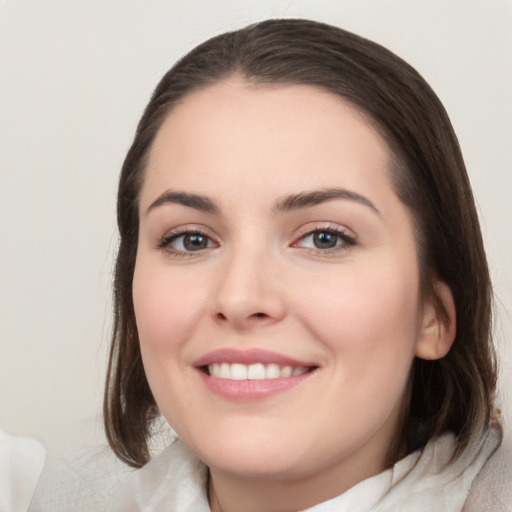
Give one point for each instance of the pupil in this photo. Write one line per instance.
(325, 240)
(195, 242)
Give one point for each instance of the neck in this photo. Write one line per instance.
(235, 494)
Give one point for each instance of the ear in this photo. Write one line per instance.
(438, 325)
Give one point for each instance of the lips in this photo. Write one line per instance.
(251, 374)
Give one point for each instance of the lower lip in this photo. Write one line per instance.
(251, 389)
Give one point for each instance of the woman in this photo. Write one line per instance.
(301, 287)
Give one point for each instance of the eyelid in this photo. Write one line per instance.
(311, 227)
(163, 243)
(348, 238)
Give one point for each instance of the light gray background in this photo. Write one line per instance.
(74, 78)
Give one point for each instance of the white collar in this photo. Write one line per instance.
(176, 481)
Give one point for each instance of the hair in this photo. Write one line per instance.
(453, 394)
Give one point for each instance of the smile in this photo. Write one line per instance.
(257, 371)
(251, 374)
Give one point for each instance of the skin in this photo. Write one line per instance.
(354, 311)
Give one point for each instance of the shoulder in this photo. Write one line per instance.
(80, 472)
(491, 490)
(21, 463)
(173, 480)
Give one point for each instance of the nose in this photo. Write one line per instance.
(248, 292)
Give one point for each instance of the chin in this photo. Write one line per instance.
(252, 453)
(256, 463)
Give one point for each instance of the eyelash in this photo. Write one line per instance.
(343, 243)
(166, 241)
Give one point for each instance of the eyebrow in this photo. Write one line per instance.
(315, 197)
(195, 201)
(286, 204)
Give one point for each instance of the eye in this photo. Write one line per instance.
(327, 239)
(186, 242)
(323, 239)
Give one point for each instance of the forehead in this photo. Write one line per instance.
(235, 134)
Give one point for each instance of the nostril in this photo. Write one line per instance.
(221, 316)
(260, 315)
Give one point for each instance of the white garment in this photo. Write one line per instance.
(21, 462)
(176, 481)
(81, 473)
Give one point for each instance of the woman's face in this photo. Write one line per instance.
(276, 286)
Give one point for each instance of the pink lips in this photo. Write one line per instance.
(243, 390)
(249, 356)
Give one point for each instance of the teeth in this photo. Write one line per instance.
(258, 371)
(272, 371)
(286, 371)
(238, 372)
(224, 371)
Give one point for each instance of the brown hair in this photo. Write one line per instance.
(455, 393)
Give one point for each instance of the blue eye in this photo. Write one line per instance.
(186, 242)
(326, 239)
(193, 241)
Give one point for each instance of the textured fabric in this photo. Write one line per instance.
(81, 473)
(492, 489)
(176, 480)
(21, 462)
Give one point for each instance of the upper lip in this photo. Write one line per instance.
(247, 357)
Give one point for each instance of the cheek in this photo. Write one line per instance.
(371, 329)
(166, 307)
(368, 318)
(167, 311)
